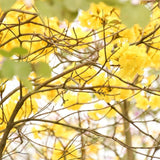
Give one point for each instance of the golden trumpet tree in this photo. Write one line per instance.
(87, 89)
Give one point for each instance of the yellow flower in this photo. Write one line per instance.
(103, 93)
(61, 131)
(102, 55)
(97, 15)
(29, 106)
(101, 111)
(62, 152)
(155, 58)
(96, 115)
(75, 101)
(132, 60)
(132, 34)
(110, 113)
(36, 133)
(79, 76)
(154, 101)
(84, 74)
(141, 102)
(80, 37)
(125, 93)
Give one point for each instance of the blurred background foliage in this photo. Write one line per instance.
(68, 9)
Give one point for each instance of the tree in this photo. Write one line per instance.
(84, 90)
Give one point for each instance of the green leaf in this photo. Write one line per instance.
(108, 2)
(6, 4)
(46, 8)
(27, 83)
(22, 70)
(42, 69)
(134, 14)
(19, 50)
(57, 8)
(15, 51)
(73, 6)
(7, 69)
(5, 53)
(11, 68)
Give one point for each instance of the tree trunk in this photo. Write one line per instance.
(127, 133)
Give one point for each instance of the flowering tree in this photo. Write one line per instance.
(83, 90)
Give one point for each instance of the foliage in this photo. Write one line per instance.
(87, 89)
(68, 9)
(136, 14)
